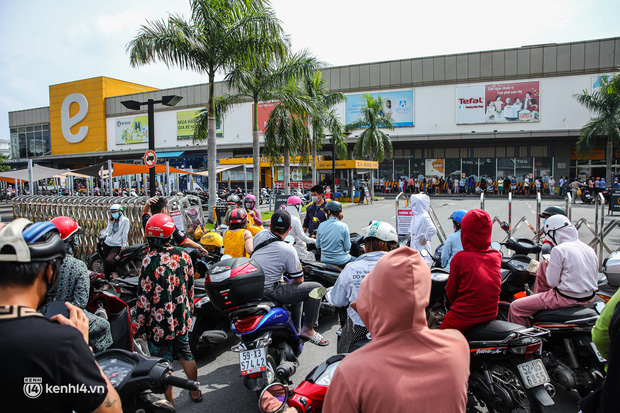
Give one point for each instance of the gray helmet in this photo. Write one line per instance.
(334, 206)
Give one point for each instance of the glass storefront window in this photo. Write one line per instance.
(542, 168)
(386, 170)
(505, 167)
(524, 168)
(487, 167)
(470, 166)
(453, 168)
(417, 168)
(401, 168)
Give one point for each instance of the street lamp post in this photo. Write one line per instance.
(169, 100)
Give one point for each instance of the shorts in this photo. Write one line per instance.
(178, 349)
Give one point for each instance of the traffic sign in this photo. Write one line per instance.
(150, 158)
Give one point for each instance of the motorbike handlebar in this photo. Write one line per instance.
(175, 381)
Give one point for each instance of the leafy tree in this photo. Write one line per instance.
(219, 35)
(605, 106)
(4, 167)
(372, 142)
(262, 81)
(323, 119)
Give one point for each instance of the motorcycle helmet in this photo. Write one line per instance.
(199, 233)
(159, 226)
(380, 230)
(212, 241)
(250, 201)
(294, 201)
(238, 216)
(233, 200)
(334, 206)
(30, 242)
(553, 224)
(116, 208)
(66, 227)
(457, 216)
(551, 211)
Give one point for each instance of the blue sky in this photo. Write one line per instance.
(50, 42)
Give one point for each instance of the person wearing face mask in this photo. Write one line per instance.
(315, 213)
(74, 285)
(293, 207)
(40, 352)
(117, 232)
(255, 222)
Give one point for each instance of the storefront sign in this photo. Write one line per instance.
(498, 103)
(186, 124)
(399, 104)
(131, 130)
(614, 203)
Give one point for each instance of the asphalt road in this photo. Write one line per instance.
(222, 387)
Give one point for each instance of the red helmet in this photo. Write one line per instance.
(66, 227)
(238, 216)
(159, 226)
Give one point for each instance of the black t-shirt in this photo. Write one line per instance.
(178, 237)
(50, 362)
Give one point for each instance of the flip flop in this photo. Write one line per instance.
(316, 339)
(196, 400)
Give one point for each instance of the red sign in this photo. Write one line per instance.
(150, 158)
(294, 184)
(264, 110)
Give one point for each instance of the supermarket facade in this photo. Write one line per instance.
(509, 112)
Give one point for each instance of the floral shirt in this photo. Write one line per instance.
(165, 294)
(74, 284)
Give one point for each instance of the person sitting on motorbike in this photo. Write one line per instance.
(165, 304)
(55, 351)
(421, 229)
(475, 279)
(277, 257)
(293, 207)
(333, 237)
(404, 353)
(379, 238)
(571, 277)
(159, 205)
(453, 243)
(233, 201)
(315, 212)
(74, 285)
(117, 233)
(254, 214)
(549, 212)
(238, 239)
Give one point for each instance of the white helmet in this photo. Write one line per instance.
(382, 231)
(556, 222)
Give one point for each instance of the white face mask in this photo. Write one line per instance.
(315, 199)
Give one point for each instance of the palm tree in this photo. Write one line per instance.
(372, 142)
(323, 118)
(261, 82)
(220, 35)
(605, 105)
(286, 133)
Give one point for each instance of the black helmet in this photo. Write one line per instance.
(233, 199)
(551, 211)
(334, 206)
(31, 242)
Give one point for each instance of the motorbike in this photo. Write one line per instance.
(128, 261)
(308, 396)
(270, 344)
(586, 197)
(136, 378)
(210, 326)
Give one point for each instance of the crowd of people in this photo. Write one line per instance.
(386, 291)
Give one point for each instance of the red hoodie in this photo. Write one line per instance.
(475, 279)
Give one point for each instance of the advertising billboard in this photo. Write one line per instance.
(498, 103)
(264, 110)
(133, 129)
(399, 104)
(435, 167)
(186, 123)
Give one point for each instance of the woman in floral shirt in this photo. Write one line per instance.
(165, 303)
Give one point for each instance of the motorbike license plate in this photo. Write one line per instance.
(533, 373)
(252, 361)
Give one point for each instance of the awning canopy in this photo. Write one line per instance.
(38, 172)
(121, 169)
(218, 169)
(161, 155)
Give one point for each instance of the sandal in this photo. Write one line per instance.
(316, 339)
(198, 399)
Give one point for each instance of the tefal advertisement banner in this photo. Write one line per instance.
(498, 103)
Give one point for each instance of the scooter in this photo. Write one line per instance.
(586, 198)
(128, 261)
(210, 326)
(136, 378)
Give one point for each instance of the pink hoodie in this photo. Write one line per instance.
(406, 367)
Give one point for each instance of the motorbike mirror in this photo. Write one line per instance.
(273, 398)
(424, 253)
(496, 245)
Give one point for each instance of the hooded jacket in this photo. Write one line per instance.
(301, 240)
(573, 266)
(406, 366)
(475, 279)
(421, 228)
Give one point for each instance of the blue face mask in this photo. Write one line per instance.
(115, 215)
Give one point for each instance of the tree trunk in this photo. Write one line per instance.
(608, 156)
(211, 151)
(315, 177)
(287, 171)
(256, 153)
(372, 185)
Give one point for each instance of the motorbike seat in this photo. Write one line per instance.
(567, 314)
(492, 330)
(131, 249)
(199, 285)
(133, 281)
(256, 308)
(324, 266)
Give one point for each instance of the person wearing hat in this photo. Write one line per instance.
(333, 237)
(277, 257)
